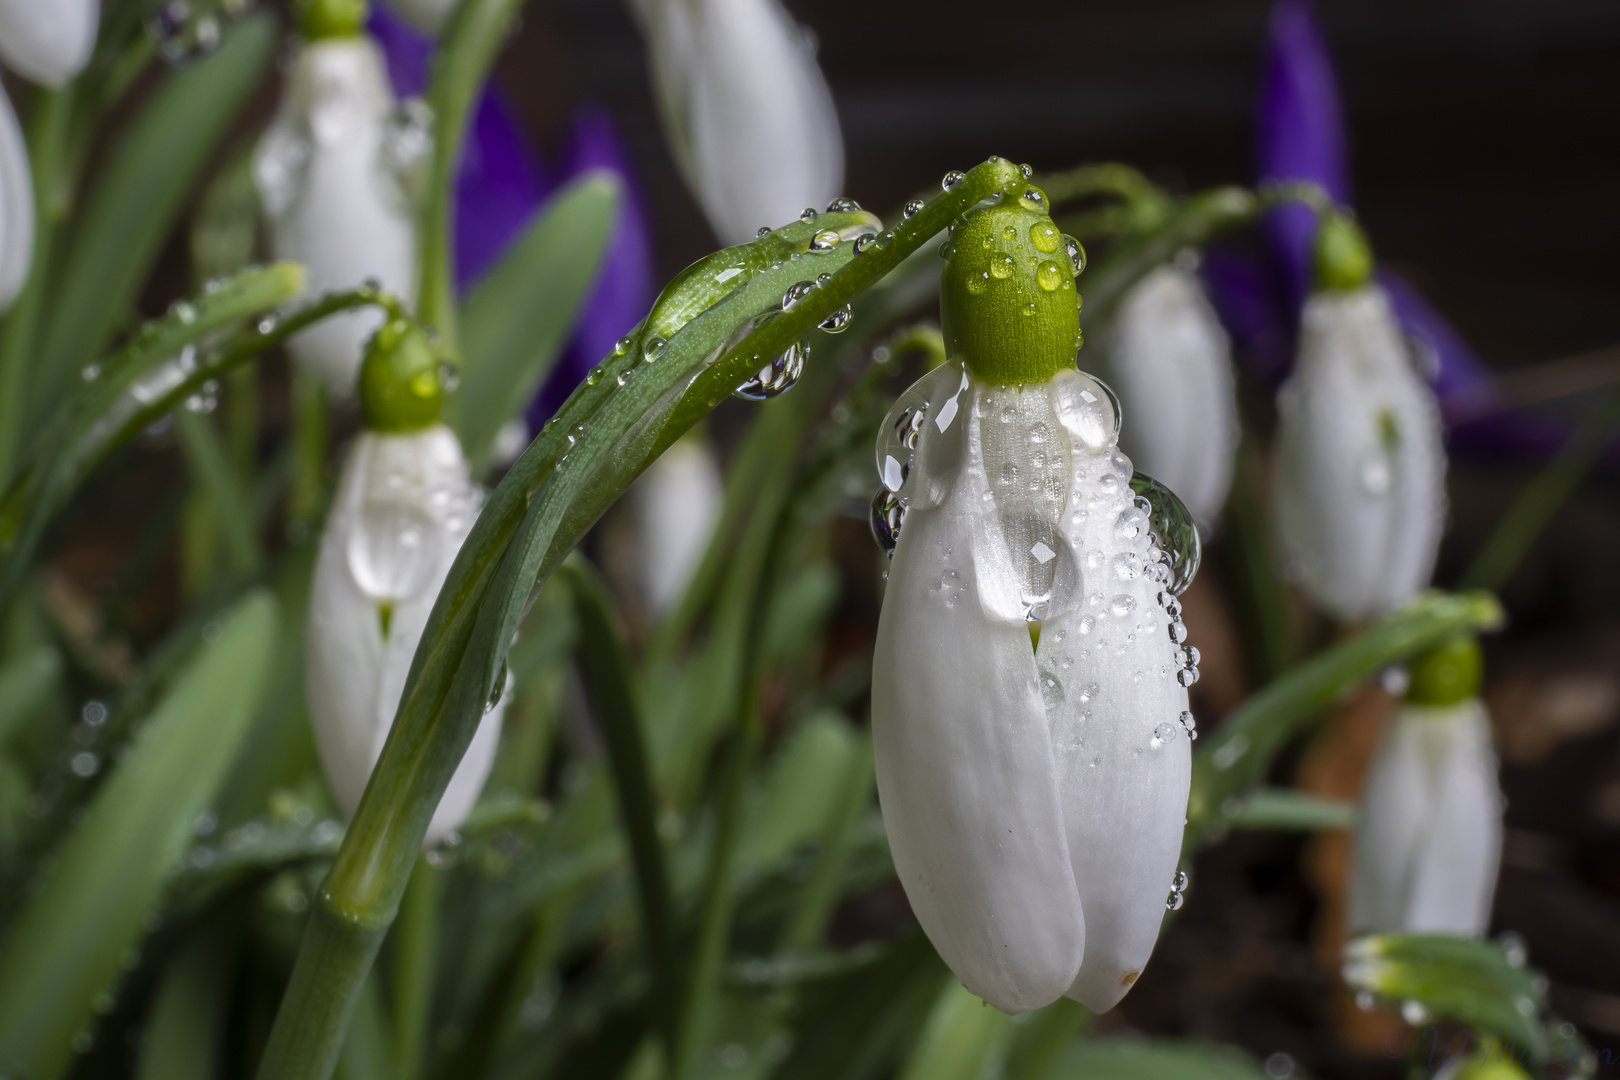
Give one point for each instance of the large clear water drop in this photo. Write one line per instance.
(1173, 530)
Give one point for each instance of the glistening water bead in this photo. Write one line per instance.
(777, 377)
(1173, 531)
(888, 514)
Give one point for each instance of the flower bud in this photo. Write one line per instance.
(1429, 837)
(336, 195)
(401, 381)
(16, 206)
(48, 41)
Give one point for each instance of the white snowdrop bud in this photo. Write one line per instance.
(48, 41)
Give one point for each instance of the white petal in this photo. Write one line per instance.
(1360, 497)
(428, 16)
(16, 206)
(1109, 672)
(403, 508)
(1454, 879)
(48, 41)
(1171, 363)
(1429, 839)
(964, 767)
(676, 502)
(748, 114)
(333, 199)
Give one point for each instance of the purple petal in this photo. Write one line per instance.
(1300, 132)
(499, 181)
(624, 285)
(1254, 306)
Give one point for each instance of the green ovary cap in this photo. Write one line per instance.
(1344, 258)
(1007, 301)
(401, 385)
(1447, 674)
(331, 18)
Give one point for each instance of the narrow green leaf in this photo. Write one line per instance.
(25, 680)
(1283, 809)
(965, 1039)
(227, 503)
(515, 322)
(185, 1028)
(67, 947)
(797, 798)
(1236, 755)
(138, 199)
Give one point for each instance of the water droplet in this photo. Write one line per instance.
(952, 180)
(1051, 690)
(496, 690)
(1002, 267)
(1173, 531)
(1026, 171)
(913, 208)
(1122, 605)
(185, 313)
(653, 349)
(842, 205)
(1090, 692)
(1174, 901)
(1365, 1000)
(91, 372)
(267, 325)
(181, 31)
(1374, 474)
(1045, 236)
(796, 293)
(1076, 253)
(1032, 199)
(1414, 1013)
(622, 346)
(625, 376)
(887, 515)
(864, 242)
(1179, 882)
(593, 376)
(777, 377)
(825, 240)
(1048, 276)
(809, 214)
(763, 231)
(838, 321)
(1178, 631)
(1164, 733)
(1513, 948)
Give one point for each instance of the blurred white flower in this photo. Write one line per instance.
(1429, 838)
(1171, 363)
(16, 206)
(747, 113)
(676, 503)
(1360, 491)
(48, 41)
(403, 508)
(335, 196)
(1034, 795)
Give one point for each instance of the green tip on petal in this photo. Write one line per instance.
(1007, 298)
(1447, 674)
(1344, 258)
(331, 18)
(402, 380)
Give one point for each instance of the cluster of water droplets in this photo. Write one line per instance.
(1178, 891)
(185, 30)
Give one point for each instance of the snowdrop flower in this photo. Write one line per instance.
(677, 502)
(1429, 839)
(746, 110)
(1360, 497)
(48, 41)
(1029, 697)
(16, 206)
(333, 174)
(403, 508)
(1172, 364)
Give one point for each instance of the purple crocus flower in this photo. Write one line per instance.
(501, 184)
(624, 284)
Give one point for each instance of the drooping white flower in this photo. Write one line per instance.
(48, 41)
(334, 194)
(403, 507)
(1429, 837)
(1034, 791)
(1171, 363)
(677, 502)
(747, 112)
(1360, 489)
(16, 206)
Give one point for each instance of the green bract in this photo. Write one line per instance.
(332, 18)
(1007, 300)
(1344, 259)
(1448, 673)
(401, 387)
